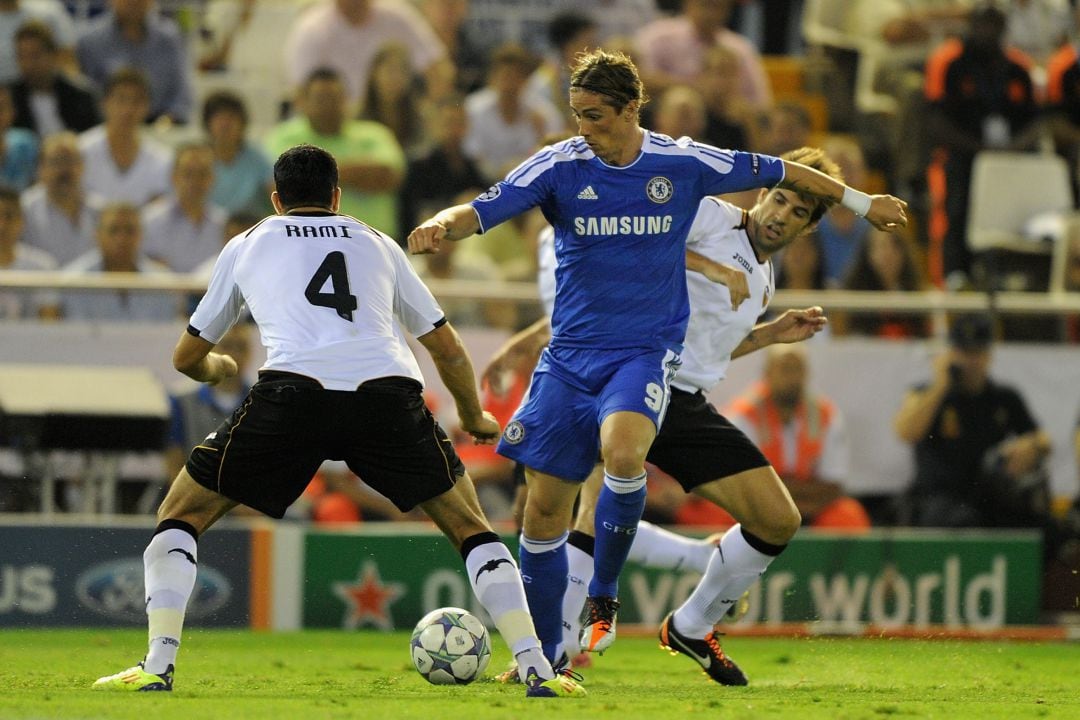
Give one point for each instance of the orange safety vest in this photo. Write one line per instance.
(813, 417)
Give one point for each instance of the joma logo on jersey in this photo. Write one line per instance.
(317, 231)
(623, 225)
(744, 262)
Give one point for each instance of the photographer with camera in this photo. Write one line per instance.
(978, 452)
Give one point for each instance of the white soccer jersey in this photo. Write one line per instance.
(327, 292)
(715, 330)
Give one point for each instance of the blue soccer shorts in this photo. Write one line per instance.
(557, 428)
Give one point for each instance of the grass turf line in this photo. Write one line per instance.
(368, 675)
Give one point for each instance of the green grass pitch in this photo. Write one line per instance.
(368, 675)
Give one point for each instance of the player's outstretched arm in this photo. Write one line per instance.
(730, 277)
(453, 223)
(884, 212)
(791, 327)
(456, 370)
(192, 357)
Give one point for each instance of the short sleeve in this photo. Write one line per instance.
(222, 304)
(414, 305)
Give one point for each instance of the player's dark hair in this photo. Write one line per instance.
(305, 175)
(223, 101)
(611, 74)
(37, 30)
(817, 159)
(127, 77)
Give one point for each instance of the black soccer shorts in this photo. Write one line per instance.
(697, 444)
(266, 453)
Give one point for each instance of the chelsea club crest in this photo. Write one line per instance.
(659, 189)
(514, 432)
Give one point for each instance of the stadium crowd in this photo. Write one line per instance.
(138, 136)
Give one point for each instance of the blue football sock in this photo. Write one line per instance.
(543, 571)
(618, 510)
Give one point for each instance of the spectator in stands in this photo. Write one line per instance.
(981, 97)
(1037, 27)
(784, 127)
(60, 216)
(506, 123)
(371, 163)
(47, 100)
(978, 451)
(568, 33)
(799, 265)
(14, 14)
(18, 147)
(15, 255)
(802, 433)
(119, 237)
(841, 232)
(121, 164)
(444, 172)
(221, 24)
(672, 50)
(183, 229)
(243, 176)
(391, 97)
(467, 57)
(680, 111)
(887, 261)
(728, 114)
(345, 35)
(235, 224)
(133, 35)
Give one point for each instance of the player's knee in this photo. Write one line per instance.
(777, 526)
(624, 461)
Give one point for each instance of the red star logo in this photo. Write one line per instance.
(368, 599)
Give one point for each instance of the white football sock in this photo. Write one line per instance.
(734, 567)
(496, 581)
(577, 589)
(169, 565)
(655, 547)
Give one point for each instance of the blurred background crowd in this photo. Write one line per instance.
(138, 136)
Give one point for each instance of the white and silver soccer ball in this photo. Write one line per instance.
(450, 646)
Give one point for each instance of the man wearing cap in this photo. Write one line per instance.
(978, 451)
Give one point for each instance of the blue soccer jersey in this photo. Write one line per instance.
(620, 232)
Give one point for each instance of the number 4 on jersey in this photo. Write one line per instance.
(333, 267)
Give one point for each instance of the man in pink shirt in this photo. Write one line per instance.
(672, 50)
(346, 34)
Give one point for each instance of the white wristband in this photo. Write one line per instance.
(857, 202)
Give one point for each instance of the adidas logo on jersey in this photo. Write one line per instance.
(588, 194)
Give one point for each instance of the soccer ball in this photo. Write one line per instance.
(450, 647)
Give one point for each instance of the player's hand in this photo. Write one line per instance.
(224, 366)
(425, 239)
(730, 277)
(887, 212)
(484, 428)
(798, 325)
